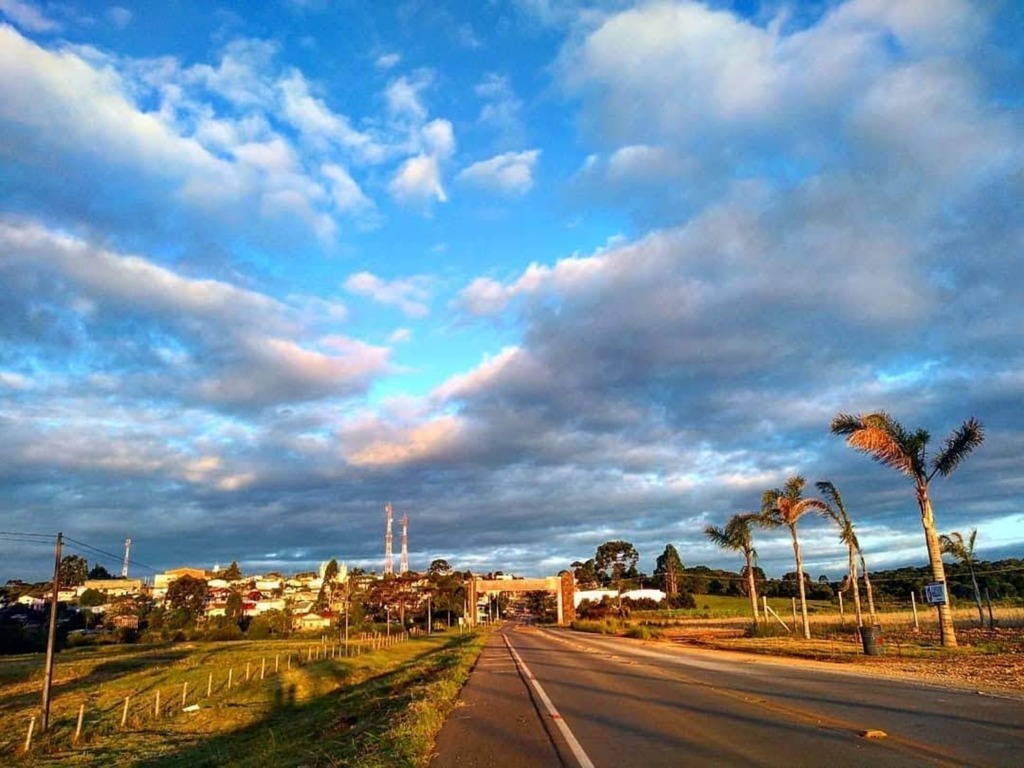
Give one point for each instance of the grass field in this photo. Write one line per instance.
(319, 708)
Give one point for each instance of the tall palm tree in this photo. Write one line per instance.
(737, 536)
(784, 507)
(838, 514)
(963, 551)
(886, 441)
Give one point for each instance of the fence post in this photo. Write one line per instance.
(184, 693)
(231, 673)
(263, 667)
(124, 715)
(78, 728)
(991, 619)
(247, 671)
(842, 615)
(156, 706)
(209, 685)
(277, 658)
(31, 728)
(913, 607)
(794, 610)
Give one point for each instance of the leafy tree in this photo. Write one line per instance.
(836, 511)
(955, 545)
(439, 568)
(188, 595)
(91, 598)
(784, 507)
(613, 561)
(99, 573)
(585, 574)
(73, 570)
(888, 442)
(331, 571)
(737, 536)
(234, 606)
(668, 568)
(232, 572)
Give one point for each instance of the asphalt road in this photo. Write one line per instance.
(542, 697)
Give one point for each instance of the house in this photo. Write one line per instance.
(126, 622)
(113, 587)
(162, 580)
(313, 621)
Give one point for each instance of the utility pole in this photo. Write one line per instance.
(430, 622)
(52, 636)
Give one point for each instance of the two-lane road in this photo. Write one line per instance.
(609, 702)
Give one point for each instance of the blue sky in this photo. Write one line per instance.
(539, 273)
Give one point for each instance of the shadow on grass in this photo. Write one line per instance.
(351, 725)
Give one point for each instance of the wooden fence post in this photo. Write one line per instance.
(209, 685)
(230, 675)
(31, 728)
(184, 693)
(263, 668)
(124, 715)
(247, 671)
(277, 658)
(156, 705)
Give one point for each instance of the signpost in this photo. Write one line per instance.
(935, 593)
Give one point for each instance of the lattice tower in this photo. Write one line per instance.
(389, 568)
(127, 549)
(404, 567)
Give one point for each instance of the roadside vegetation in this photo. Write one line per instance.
(291, 702)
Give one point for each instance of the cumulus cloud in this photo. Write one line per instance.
(27, 16)
(243, 348)
(409, 295)
(507, 174)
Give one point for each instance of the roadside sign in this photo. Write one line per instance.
(935, 593)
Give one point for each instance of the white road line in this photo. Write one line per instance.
(577, 750)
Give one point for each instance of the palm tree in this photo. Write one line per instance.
(737, 536)
(837, 512)
(784, 507)
(889, 443)
(963, 551)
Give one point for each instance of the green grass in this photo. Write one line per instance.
(382, 708)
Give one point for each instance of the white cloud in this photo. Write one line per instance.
(27, 16)
(409, 295)
(388, 60)
(347, 195)
(418, 182)
(438, 138)
(119, 16)
(507, 174)
(403, 97)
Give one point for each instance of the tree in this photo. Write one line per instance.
(187, 594)
(72, 571)
(99, 573)
(331, 571)
(888, 442)
(234, 606)
(232, 572)
(836, 511)
(954, 545)
(439, 568)
(91, 598)
(613, 561)
(668, 568)
(784, 507)
(738, 536)
(585, 574)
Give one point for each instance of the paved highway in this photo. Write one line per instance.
(541, 697)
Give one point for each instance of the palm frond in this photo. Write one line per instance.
(718, 537)
(883, 448)
(845, 424)
(958, 446)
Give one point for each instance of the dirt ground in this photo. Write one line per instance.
(987, 660)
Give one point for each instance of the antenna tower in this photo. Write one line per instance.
(127, 549)
(404, 567)
(389, 568)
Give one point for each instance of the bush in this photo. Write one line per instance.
(643, 632)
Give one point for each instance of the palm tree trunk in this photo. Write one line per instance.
(977, 593)
(800, 581)
(856, 589)
(947, 631)
(751, 586)
(867, 588)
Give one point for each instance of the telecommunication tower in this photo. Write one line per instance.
(404, 567)
(389, 568)
(127, 549)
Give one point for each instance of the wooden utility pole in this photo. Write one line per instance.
(44, 721)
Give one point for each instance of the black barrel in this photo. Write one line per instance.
(872, 639)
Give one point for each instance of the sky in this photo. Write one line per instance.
(539, 273)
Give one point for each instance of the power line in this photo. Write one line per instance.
(111, 555)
